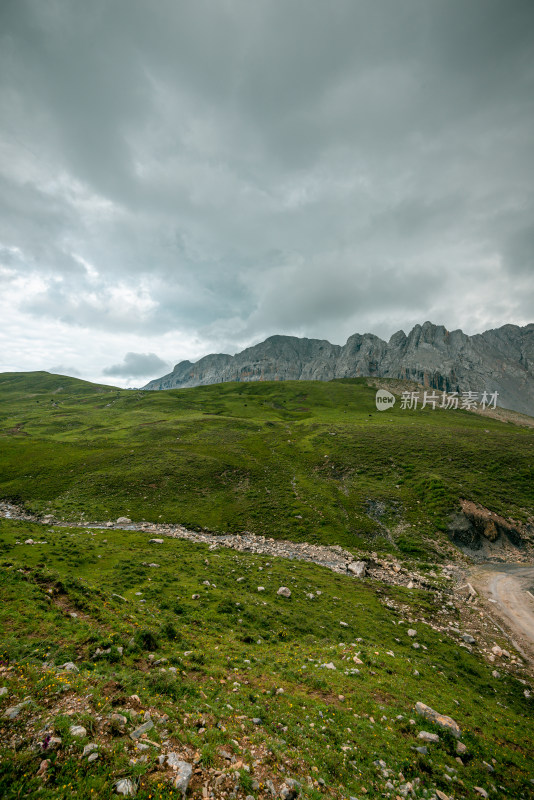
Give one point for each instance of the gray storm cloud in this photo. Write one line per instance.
(137, 365)
(204, 174)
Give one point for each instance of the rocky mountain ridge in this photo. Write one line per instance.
(498, 360)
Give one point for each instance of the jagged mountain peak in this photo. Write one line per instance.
(498, 360)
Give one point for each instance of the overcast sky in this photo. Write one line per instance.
(179, 177)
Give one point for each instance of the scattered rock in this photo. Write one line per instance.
(43, 767)
(411, 632)
(289, 789)
(124, 521)
(89, 748)
(442, 721)
(14, 711)
(126, 787)
(155, 541)
(181, 782)
(144, 728)
(92, 757)
(357, 568)
(284, 591)
(78, 731)
(468, 639)
(482, 792)
(69, 666)
(428, 737)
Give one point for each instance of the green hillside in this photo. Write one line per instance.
(107, 630)
(245, 685)
(301, 460)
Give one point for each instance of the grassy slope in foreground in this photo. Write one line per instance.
(231, 651)
(299, 460)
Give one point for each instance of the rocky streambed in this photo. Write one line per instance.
(332, 557)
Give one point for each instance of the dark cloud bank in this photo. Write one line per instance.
(193, 177)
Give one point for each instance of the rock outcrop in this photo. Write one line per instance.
(500, 360)
(486, 536)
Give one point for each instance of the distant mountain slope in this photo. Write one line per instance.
(500, 360)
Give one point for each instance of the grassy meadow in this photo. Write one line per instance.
(306, 461)
(250, 687)
(245, 675)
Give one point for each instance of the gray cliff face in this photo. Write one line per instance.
(499, 360)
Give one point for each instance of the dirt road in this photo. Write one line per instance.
(510, 590)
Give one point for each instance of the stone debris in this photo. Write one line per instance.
(43, 768)
(69, 666)
(144, 728)
(428, 737)
(78, 731)
(284, 591)
(126, 787)
(184, 772)
(289, 790)
(357, 568)
(14, 711)
(442, 721)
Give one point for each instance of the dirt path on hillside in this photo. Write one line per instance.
(509, 588)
